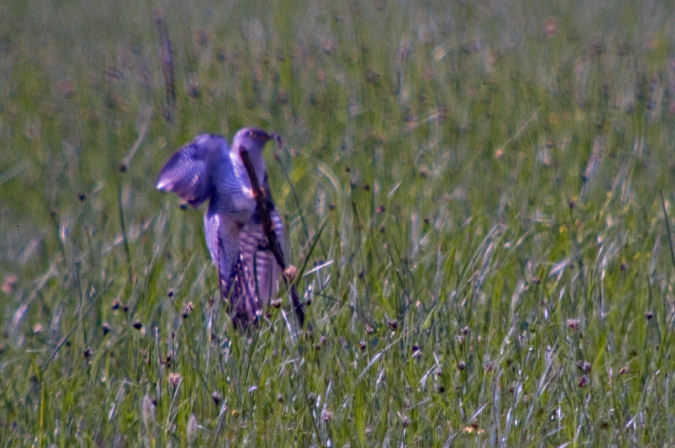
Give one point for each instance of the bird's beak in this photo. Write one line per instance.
(277, 139)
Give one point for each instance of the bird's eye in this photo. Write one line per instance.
(257, 135)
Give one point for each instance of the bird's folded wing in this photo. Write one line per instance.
(237, 285)
(258, 257)
(245, 307)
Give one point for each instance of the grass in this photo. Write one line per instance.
(493, 183)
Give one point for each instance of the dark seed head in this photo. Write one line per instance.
(175, 378)
(137, 324)
(321, 343)
(585, 366)
(291, 272)
(187, 310)
(215, 396)
(193, 89)
(573, 324)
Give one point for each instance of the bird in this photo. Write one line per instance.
(208, 169)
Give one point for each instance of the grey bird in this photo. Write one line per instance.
(208, 169)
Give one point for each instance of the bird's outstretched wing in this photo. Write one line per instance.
(188, 172)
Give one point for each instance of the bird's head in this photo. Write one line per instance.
(253, 141)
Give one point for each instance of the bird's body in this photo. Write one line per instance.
(208, 169)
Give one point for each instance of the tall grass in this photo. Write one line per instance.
(474, 188)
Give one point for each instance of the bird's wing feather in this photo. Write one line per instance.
(258, 257)
(237, 286)
(245, 306)
(188, 172)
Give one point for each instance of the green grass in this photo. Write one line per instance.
(487, 175)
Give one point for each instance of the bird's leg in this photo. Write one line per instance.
(273, 242)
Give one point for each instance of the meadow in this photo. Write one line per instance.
(478, 196)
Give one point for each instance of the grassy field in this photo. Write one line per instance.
(479, 194)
